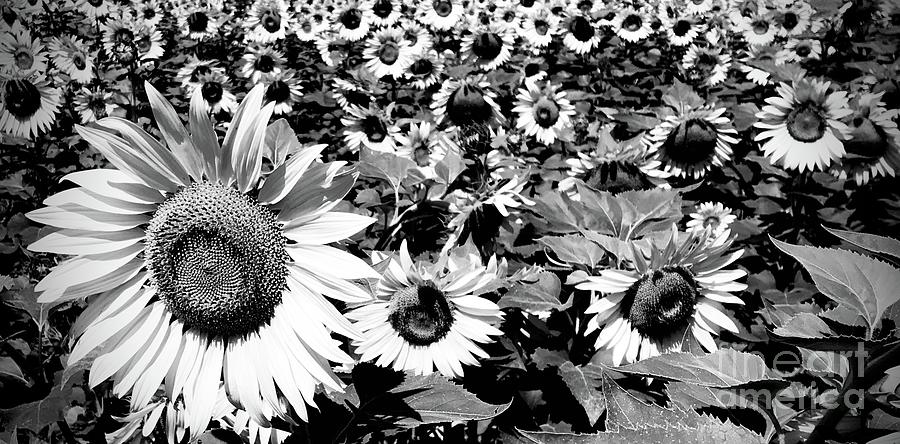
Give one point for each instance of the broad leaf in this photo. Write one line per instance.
(9, 369)
(574, 249)
(864, 284)
(724, 368)
(583, 382)
(872, 242)
(387, 166)
(535, 296)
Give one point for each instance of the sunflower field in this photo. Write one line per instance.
(461, 221)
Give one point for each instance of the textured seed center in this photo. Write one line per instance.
(21, 98)
(691, 142)
(806, 122)
(420, 314)
(388, 53)
(467, 105)
(374, 128)
(546, 112)
(681, 28)
(661, 302)
(351, 18)
(197, 21)
(278, 91)
(487, 46)
(217, 259)
(632, 23)
(212, 91)
(581, 29)
(442, 8)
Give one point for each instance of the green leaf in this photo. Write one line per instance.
(864, 284)
(724, 368)
(449, 168)
(574, 249)
(535, 296)
(280, 142)
(387, 166)
(871, 242)
(38, 414)
(582, 382)
(10, 369)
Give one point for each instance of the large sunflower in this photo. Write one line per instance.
(200, 269)
(546, 114)
(387, 53)
(28, 107)
(20, 54)
(429, 315)
(466, 102)
(441, 15)
(651, 307)
(268, 21)
(691, 143)
(874, 148)
(371, 127)
(802, 126)
(488, 46)
(73, 57)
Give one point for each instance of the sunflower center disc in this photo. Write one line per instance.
(95, 3)
(374, 128)
(264, 63)
(388, 53)
(803, 50)
(144, 44)
(278, 91)
(217, 259)
(661, 302)
(487, 46)
(197, 21)
(681, 28)
(21, 98)
(422, 155)
(442, 8)
(212, 91)
(790, 21)
(271, 21)
(527, 3)
(123, 36)
(869, 140)
(420, 314)
(693, 141)
(351, 18)
(383, 8)
(149, 13)
(806, 122)
(467, 105)
(24, 59)
(616, 177)
(78, 61)
(546, 113)
(761, 27)
(581, 29)
(632, 23)
(421, 67)
(706, 61)
(711, 221)
(541, 27)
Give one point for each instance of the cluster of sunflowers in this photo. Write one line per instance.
(221, 257)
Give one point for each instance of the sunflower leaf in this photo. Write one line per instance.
(574, 249)
(871, 242)
(724, 368)
(535, 296)
(582, 382)
(861, 283)
(387, 166)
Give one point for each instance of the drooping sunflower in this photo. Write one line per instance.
(29, 106)
(353, 21)
(371, 127)
(202, 270)
(712, 215)
(213, 88)
(874, 147)
(653, 306)
(428, 316)
(488, 46)
(20, 54)
(260, 61)
(579, 33)
(710, 64)
(539, 27)
(425, 69)
(441, 15)
(801, 126)
(615, 166)
(632, 25)
(198, 20)
(690, 143)
(283, 89)
(544, 113)
(73, 57)
(466, 102)
(387, 53)
(93, 103)
(754, 63)
(268, 21)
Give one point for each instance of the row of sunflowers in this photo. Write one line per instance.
(449, 220)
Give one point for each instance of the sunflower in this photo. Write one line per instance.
(801, 50)
(874, 148)
(755, 63)
(488, 46)
(615, 166)
(430, 315)
(268, 21)
(351, 92)
(149, 11)
(93, 103)
(418, 38)
(28, 106)
(94, 9)
(758, 29)
(794, 18)
(20, 54)
(681, 30)
(546, 114)
(198, 20)
(710, 64)
(213, 88)
(204, 269)
(283, 89)
(309, 25)
(441, 15)
(539, 27)
(652, 307)
(802, 125)
(259, 61)
(425, 69)
(385, 12)
(690, 143)
(72, 56)
(353, 21)
(466, 102)
(632, 25)
(507, 15)
(371, 127)
(712, 215)
(698, 7)
(426, 146)
(190, 73)
(579, 33)
(131, 40)
(387, 53)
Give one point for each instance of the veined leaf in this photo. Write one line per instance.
(574, 248)
(724, 368)
(872, 242)
(582, 382)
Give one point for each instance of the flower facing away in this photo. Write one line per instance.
(28, 106)
(430, 315)
(546, 114)
(801, 126)
(579, 33)
(690, 144)
(657, 305)
(488, 47)
(874, 148)
(201, 270)
(466, 102)
(713, 215)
